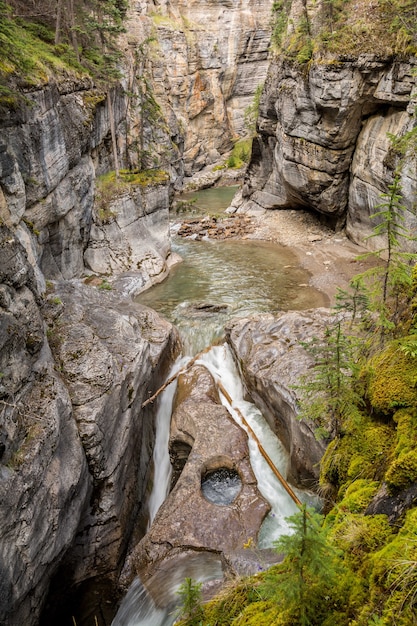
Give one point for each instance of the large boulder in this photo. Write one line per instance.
(203, 438)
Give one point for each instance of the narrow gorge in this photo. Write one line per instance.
(93, 163)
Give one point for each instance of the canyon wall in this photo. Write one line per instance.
(77, 358)
(323, 140)
(205, 61)
(75, 445)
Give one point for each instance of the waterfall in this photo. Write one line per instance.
(219, 361)
(161, 461)
(138, 608)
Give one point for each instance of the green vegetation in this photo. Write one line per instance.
(110, 187)
(345, 27)
(240, 154)
(67, 37)
(252, 112)
(190, 602)
(105, 285)
(355, 565)
(327, 392)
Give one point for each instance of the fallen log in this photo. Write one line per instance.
(174, 376)
(262, 450)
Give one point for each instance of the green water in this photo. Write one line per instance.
(207, 201)
(243, 277)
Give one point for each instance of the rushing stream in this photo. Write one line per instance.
(215, 282)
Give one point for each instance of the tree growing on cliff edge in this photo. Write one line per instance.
(389, 281)
(328, 390)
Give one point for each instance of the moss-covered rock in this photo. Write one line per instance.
(402, 473)
(392, 380)
(363, 452)
(393, 580)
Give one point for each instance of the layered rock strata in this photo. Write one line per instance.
(205, 64)
(323, 140)
(52, 153)
(44, 480)
(71, 429)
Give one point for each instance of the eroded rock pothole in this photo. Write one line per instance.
(221, 486)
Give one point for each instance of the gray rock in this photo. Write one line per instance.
(203, 438)
(44, 483)
(272, 360)
(323, 144)
(112, 354)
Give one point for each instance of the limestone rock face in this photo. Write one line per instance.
(111, 353)
(51, 153)
(323, 139)
(267, 348)
(207, 62)
(47, 172)
(133, 236)
(75, 444)
(187, 521)
(44, 482)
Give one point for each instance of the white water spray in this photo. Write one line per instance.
(219, 361)
(161, 461)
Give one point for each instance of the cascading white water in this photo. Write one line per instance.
(243, 278)
(161, 462)
(138, 608)
(219, 361)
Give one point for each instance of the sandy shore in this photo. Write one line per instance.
(331, 258)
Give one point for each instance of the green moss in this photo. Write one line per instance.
(402, 473)
(359, 495)
(364, 452)
(359, 535)
(392, 380)
(231, 603)
(393, 579)
(260, 614)
(144, 178)
(406, 421)
(93, 98)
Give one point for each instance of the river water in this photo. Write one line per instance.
(217, 281)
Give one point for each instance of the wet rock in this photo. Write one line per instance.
(72, 429)
(112, 354)
(272, 360)
(187, 521)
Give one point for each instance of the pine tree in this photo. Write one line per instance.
(304, 585)
(394, 273)
(327, 390)
(190, 608)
